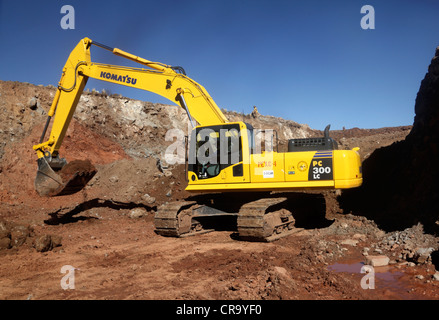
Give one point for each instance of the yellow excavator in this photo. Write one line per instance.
(241, 175)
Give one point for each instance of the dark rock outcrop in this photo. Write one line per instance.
(401, 182)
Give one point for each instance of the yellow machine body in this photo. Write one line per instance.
(275, 171)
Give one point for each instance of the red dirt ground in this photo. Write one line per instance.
(106, 232)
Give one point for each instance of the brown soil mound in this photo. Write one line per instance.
(79, 167)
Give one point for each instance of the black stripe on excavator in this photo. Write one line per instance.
(103, 46)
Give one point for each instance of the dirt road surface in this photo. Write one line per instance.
(106, 232)
(117, 256)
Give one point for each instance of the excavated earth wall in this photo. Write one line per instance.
(401, 185)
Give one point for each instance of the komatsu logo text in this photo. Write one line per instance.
(119, 78)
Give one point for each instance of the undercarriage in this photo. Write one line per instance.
(260, 217)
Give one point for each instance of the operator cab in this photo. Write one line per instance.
(214, 148)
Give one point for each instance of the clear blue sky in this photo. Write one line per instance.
(308, 61)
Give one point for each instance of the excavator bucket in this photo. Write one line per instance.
(70, 179)
(47, 181)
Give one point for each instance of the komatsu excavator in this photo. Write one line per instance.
(224, 159)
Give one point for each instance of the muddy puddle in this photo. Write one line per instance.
(389, 281)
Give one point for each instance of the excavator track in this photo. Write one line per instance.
(262, 220)
(257, 223)
(176, 220)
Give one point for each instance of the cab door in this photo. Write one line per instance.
(216, 154)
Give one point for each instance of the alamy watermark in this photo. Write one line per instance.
(68, 20)
(368, 20)
(368, 281)
(68, 281)
(218, 145)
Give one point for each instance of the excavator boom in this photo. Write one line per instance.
(167, 81)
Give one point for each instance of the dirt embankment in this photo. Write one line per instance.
(106, 231)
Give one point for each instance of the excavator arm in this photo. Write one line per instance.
(167, 81)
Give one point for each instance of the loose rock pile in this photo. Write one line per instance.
(14, 235)
(411, 244)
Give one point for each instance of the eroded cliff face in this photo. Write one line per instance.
(401, 181)
(140, 127)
